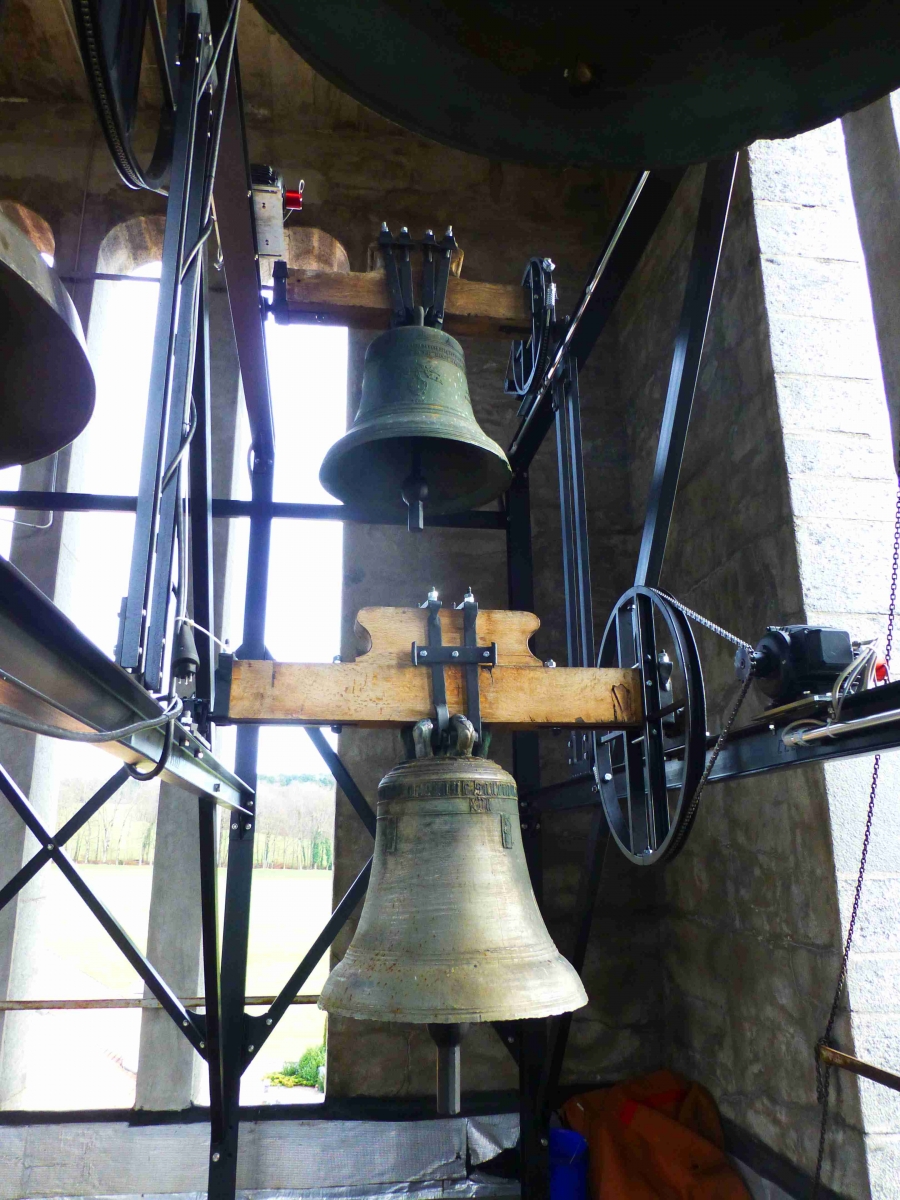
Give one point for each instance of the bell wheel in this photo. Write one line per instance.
(650, 774)
(111, 36)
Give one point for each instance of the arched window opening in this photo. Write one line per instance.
(115, 849)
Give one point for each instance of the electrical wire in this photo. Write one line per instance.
(230, 19)
(9, 716)
(193, 624)
(182, 449)
(197, 247)
(160, 766)
(862, 666)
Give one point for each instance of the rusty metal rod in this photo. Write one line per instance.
(835, 1058)
(136, 1002)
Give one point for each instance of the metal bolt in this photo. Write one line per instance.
(404, 229)
(50, 846)
(511, 1040)
(423, 654)
(248, 825)
(544, 1141)
(771, 729)
(234, 824)
(486, 654)
(216, 1156)
(268, 1020)
(337, 658)
(549, 663)
(250, 1049)
(607, 778)
(454, 654)
(185, 1024)
(449, 232)
(429, 233)
(384, 227)
(203, 1045)
(649, 683)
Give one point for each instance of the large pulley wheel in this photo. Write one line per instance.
(650, 776)
(111, 35)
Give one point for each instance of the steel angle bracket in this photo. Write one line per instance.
(43, 649)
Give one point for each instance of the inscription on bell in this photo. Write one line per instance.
(479, 804)
(466, 789)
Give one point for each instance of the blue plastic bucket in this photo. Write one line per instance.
(568, 1165)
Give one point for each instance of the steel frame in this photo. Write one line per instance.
(226, 1036)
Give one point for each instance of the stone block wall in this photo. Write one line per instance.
(784, 513)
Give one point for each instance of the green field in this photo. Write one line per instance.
(100, 1049)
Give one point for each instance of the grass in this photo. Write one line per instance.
(288, 909)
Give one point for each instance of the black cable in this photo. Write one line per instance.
(182, 449)
(163, 758)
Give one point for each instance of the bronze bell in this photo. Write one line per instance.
(450, 931)
(415, 439)
(46, 381)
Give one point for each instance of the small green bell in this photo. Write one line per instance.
(415, 440)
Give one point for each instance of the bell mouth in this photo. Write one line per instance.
(499, 986)
(368, 467)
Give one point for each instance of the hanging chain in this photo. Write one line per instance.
(694, 803)
(823, 1073)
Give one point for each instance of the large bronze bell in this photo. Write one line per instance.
(415, 439)
(46, 381)
(450, 931)
(644, 84)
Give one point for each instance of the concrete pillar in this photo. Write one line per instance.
(31, 762)
(167, 1065)
(38, 551)
(872, 139)
(839, 462)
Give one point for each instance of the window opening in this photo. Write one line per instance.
(293, 857)
(88, 1059)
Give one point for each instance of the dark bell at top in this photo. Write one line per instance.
(650, 83)
(415, 441)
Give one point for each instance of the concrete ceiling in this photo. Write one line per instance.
(40, 61)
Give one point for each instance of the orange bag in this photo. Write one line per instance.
(654, 1138)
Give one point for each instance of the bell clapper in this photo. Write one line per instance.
(415, 493)
(447, 1038)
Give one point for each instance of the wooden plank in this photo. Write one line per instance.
(386, 635)
(359, 299)
(366, 693)
(383, 688)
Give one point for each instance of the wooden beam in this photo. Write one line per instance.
(369, 694)
(360, 300)
(383, 688)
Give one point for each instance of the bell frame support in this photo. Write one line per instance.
(225, 1035)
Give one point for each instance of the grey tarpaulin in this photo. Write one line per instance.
(340, 1160)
